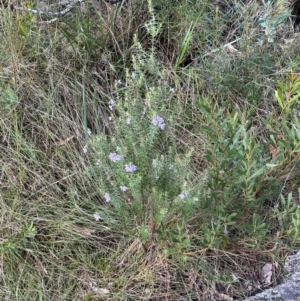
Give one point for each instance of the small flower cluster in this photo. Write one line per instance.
(84, 149)
(116, 157)
(107, 197)
(111, 104)
(97, 217)
(124, 188)
(159, 121)
(183, 195)
(130, 167)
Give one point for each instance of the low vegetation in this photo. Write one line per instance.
(149, 149)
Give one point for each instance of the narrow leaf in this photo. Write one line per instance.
(279, 98)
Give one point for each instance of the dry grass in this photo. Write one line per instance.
(51, 247)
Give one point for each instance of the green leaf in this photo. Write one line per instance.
(279, 98)
(291, 134)
(185, 44)
(144, 233)
(257, 173)
(293, 100)
(296, 88)
(296, 121)
(281, 86)
(270, 165)
(231, 215)
(280, 18)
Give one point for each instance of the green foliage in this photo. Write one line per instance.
(185, 43)
(287, 213)
(288, 93)
(271, 22)
(7, 97)
(26, 21)
(141, 120)
(14, 244)
(244, 177)
(161, 198)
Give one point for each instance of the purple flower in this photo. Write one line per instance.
(114, 157)
(159, 121)
(123, 188)
(84, 149)
(128, 120)
(97, 217)
(130, 168)
(107, 197)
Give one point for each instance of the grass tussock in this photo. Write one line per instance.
(148, 150)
